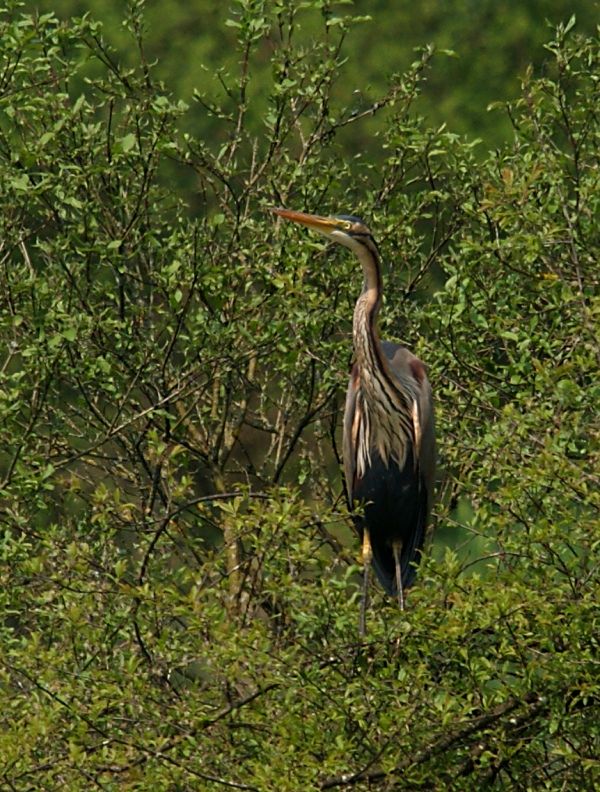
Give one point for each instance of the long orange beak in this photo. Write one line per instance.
(323, 224)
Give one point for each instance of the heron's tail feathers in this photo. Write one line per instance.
(385, 566)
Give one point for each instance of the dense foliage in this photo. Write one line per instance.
(487, 46)
(179, 579)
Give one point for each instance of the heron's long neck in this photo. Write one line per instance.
(385, 402)
(366, 341)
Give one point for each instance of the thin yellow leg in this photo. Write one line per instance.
(397, 550)
(367, 557)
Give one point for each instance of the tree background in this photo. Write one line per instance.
(179, 579)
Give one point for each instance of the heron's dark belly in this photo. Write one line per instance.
(392, 499)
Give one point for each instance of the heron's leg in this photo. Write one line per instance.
(367, 557)
(397, 550)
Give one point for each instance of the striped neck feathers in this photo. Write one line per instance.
(385, 403)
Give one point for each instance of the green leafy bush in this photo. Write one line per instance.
(179, 580)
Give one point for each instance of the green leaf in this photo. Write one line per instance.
(127, 142)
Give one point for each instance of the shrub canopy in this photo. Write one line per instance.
(179, 579)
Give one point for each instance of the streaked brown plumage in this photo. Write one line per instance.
(389, 438)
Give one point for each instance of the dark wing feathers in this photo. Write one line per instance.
(394, 508)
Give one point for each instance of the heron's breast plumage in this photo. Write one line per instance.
(377, 429)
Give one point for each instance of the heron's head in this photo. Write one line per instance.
(346, 230)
